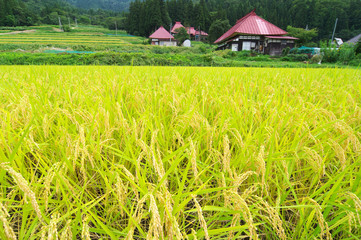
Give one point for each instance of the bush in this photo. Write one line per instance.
(355, 62)
(260, 58)
(346, 53)
(285, 51)
(330, 55)
(316, 59)
(66, 28)
(358, 48)
(295, 58)
(82, 48)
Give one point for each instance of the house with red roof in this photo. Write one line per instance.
(254, 33)
(162, 37)
(176, 26)
(192, 32)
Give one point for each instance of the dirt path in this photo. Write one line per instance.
(17, 32)
(57, 30)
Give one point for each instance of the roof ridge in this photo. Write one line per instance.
(247, 16)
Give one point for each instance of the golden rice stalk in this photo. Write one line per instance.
(171, 223)
(357, 202)
(9, 232)
(144, 148)
(238, 137)
(137, 216)
(194, 234)
(85, 234)
(178, 136)
(43, 232)
(356, 145)
(130, 175)
(250, 191)
(194, 159)
(24, 186)
(52, 228)
(238, 180)
(351, 220)
(340, 154)
(235, 221)
(202, 221)
(46, 125)
(159, 163)
(346, 130)
(274, 217)
(315, 161)
(240, 205)
(261, 168)
(121, 193)
(47, 182)
(155, 230)
(226, 156)
(67, 233)
(321, 220)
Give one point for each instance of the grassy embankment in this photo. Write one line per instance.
(197, 153)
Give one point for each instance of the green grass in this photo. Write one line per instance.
(173, 152)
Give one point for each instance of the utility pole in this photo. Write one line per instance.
(170, 31)
(76, 22)
(334, 30)
(199, 36)
(116, 28)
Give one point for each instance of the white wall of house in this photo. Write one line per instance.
(164, 43)
(168, 43)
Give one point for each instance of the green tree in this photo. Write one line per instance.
(358, 47)
(217, 29)
(181, 35)
(304, 36)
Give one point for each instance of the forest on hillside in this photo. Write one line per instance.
(114, 5)
(146, 15)
(15, 13)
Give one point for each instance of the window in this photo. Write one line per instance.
(246, 45)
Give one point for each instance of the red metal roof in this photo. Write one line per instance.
(191, 31)
(202, 33)
(161, 33)
(176, 26)
(251, 24)
(282, 37)
(194, 32)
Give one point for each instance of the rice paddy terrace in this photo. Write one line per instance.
(179, 153)
(87, 37)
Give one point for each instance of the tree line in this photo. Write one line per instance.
(216, 16)
(35, 12)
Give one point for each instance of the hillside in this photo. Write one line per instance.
(114, 5)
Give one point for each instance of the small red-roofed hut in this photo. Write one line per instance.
(254, 33)
(162, 37)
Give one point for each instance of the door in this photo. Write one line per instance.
(235, 47)
(246, 46)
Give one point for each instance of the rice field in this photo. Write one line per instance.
(179, 153)
(69, 39)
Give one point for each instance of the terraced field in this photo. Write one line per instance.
(179, 153)
(46, 38)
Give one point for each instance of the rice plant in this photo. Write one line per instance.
(179, 153)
